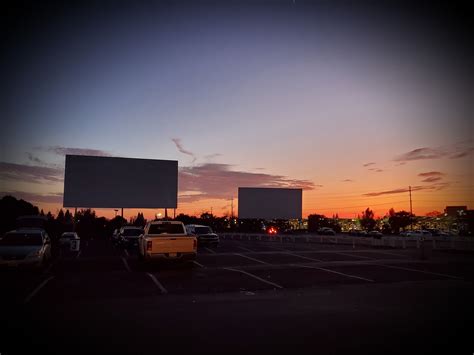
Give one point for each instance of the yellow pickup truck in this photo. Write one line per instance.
(166, 240)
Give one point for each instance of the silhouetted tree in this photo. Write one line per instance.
(367, 220)
(399, 220)
(140, 220)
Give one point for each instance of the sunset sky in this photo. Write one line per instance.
(353, 104)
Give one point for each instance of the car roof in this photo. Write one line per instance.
(165, 222)
(132, 227)
(26, 229)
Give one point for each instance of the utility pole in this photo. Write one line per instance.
(166, 213)
(232, 208)
(411, 209)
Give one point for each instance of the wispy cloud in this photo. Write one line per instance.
(454, 151)
(376, 170)
(431, 173)
(368, 164)
(433, 187)
(432, 179)
(211, 156)
(30, 173)
(179, 145)
(36, 198)
(219, 181)
(60, 150)
(347, 180)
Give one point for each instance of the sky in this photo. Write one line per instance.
(351, 101)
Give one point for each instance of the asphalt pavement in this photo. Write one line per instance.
(242, 297)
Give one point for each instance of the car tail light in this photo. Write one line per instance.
(194, 243)
(148, 245)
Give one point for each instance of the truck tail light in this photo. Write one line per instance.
(148, 245)
(194, 243)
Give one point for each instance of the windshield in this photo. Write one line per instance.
(168, 228)
(203, 230)
(21, 239)
(134, 232)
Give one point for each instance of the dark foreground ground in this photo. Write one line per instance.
(243, 297)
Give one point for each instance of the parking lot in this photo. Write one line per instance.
(244, 295)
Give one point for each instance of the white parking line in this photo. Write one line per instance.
(195, 262)
(254, 276)
(355, 255)
(36, 290)
(303, 257)
(389, 253)
(248, 257)
(126, 264)
(126, 252)
(334, 272)
(210, 250)
(246, 249)
(158, 283)
(421, 271)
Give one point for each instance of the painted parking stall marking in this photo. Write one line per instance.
(37, 289)
(250, 258)
(157, 283)
(253, 276)
(334, 272)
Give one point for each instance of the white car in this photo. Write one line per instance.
(25, 247)
(419, 233)
(204, 234)
(71, 240)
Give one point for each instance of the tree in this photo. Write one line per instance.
(60, 216)
(399, 220)
(367, 221)
(139, 220)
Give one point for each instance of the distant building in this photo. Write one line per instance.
(455, 211)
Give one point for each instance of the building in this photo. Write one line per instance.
(455, 211)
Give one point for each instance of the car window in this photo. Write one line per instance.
(202, 230)
(21, 239)
(168, 228)
(132, 232)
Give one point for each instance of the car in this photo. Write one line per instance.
(70, 240)
(25, 247)
(115, 236)
(204, 234)
(326, 231)
(419, 233)
(128, 236)
(375, 234)
(166, 240)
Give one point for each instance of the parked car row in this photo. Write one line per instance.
(128, 236)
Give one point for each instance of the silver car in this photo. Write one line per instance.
(26, 247)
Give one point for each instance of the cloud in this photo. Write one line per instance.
(211, 156)
(35, 159)
(347, 180)
(454, 151)
(376, 170)
(36, 198)
(431, 173)
(30, 173)
(433, 187)
(432, 179)
(218, 181)
(59, 150)
(177, 142)
(368, 164)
